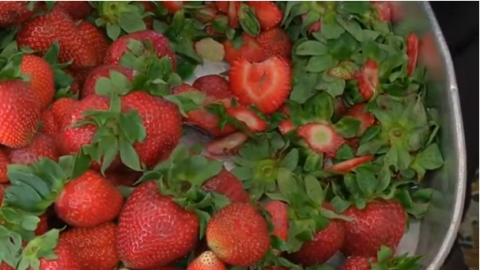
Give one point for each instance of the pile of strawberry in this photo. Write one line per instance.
(320, 118)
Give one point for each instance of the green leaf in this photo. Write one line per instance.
(430, 158)
(348, 127)
(339, 204)
(285, 182)
(207, 170)
(320, 107)
(370, 134)
(129, 156)
(353, 7)
(345, 152)
(131, 22)
(248, 20)
(242, 173)
(352, 27)
(314, 190)
(113, 30)
(320, 63)
(366, 181)
(311, 48)
(290, 161)
(332, 30)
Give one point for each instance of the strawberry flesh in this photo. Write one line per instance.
(350, 165)
(366, 119)
(412, 52)
(321, 138)
(368, 79)
(268, 14)
(227, 145)
(249, 118)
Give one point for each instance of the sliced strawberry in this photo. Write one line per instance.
(222, 6)
(412, 52)
(384, 10)
(249, 118)
(279, 217)
(275, 42)
(172, 6)
(349, 165)
(232, 13)
(321, 138)
(250, 50)
(366, 119)
(206, 14)
(268, 14)
(227, 145)
(213, 85)
(368, 80)
(286, 126)
(265, 85)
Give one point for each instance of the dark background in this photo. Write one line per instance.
(459, 23)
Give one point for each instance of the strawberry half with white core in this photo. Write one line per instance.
(321, 138)
(368, 80)
(265, 85)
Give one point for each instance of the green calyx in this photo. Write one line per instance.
(248, 20)
(386, 261)
(182, 176)
(120, 17)
(42, 247)
(63, 81)
(11, 243)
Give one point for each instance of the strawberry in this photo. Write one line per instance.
(275, 42)
(79, 77)
(49, 125)
(93, 36)
(412, 52)
(58, 26)
(123, 176)
(41, 78)
(350, 165)
(367, 80)
(41, 146)
(61, 107)
(94, 247)
(268, 14)
(222, 6)
(19, 113)
(159, 42)
(232, 13)
(103, 72)
(4, 161)
(380, 223)
(321, 138)
(227, 145)
(383, 260)
(206, 14)
(148, 6)
(163, 125)
(207, 261)
(266, 85)
(238, 235)
(78, 10)
(384, 10)
(88, 200)
(286, 126)
(215, 92)
(173, 6)
(366, 119)
(2, 189)
(15, 12)
(153, 230)
(324, 245)
(42, 226)
(227, 184)
(249, 49)
(249, 118)
(357, 263)
(279, 218)
(314, 27)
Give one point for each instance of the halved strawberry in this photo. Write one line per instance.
(286, 126)
(412, 52)
(321, 138)
(249, 118)
(349, 165)
(266, 85)
(366, 119)
(268, 14)
(206, 14)
(279, 217)
(227, 145)
(384, 10)
(368, 80)
(232, 13)
(172, 6)
(213, 85)
(275, 42)
(249, 49)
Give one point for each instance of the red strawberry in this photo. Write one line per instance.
(19, 113)
(41, 146)
(79, 77)
(57, 25)
(379, 223)
(249, 50)
(173, 6)
(383, 260)
(265, 85)
(148, 6)
(103, 72)
(357, 263)
(384, 10)
(216, 91)
(351, 164)
(163, 125)
(238, 235)
(321, 138)
(207, 261)
(268, 14)
(42, 226)
(249, 118)
(222, 6)
(2, 190)
(206, 14)
(41, 78)
(232, 13)
(324, 245)
(367, 80)
(123, 176)
(94, 37)
(314, 27)
(159, 42)
(61, 107)
(153, 230)
(94, 247)
(76, 9)
(227, 184)
(279, 217)
(275, 42)
(88, 200)
(15, 12)
(49, 125)
(366, 119)
(4, 161)
(412, 52)
(227, 145)
(286, 126)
